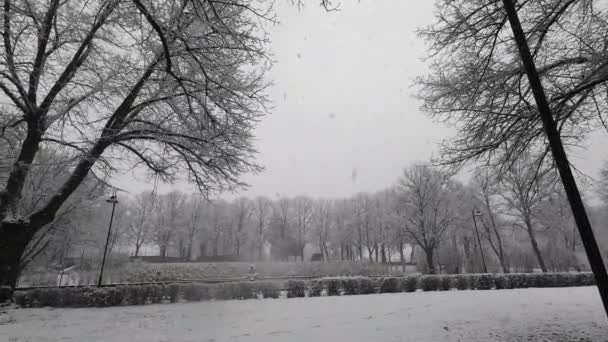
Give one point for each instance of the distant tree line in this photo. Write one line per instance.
(428, 217)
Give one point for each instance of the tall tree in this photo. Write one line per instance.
(169, 219)
(302, 222)
(262, 208)
(243, 209)
(323, 224)
(555, 93)
(524, 188)
(482, 184)
(170, 85)
(142, 210)
(427, 195)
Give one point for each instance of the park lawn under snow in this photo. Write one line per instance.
(549, 314)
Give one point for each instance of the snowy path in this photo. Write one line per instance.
(566, 314)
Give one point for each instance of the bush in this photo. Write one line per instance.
(584, 279)
(296, 288)
(172, 292)
(136, 295)
(101, 297)
(47, 297)
(366, 286)
(153, 293)
(446, 282)
(269, 289)
(485, 282)
(245, 290)
(430, 283)
(315, 288)
(195, 292)
(517, 280)
(351, 286)
(501, 282)
(462, 282)
(391, 285)
(332, 286)
(410, 284)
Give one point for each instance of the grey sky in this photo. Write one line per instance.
(344, 119)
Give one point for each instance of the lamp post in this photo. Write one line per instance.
(114, 201)
(483, 259)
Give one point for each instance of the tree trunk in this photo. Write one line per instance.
(376, 252)
(401, 256)
(14, 238)
(535, 247)
(467, 253)
(430, 260)
(499, 250)
(383, 254)
(371, 254)
(412, 255)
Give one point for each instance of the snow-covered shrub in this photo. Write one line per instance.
(391, 285)
(446, 282)
(269, 289)
(243, 290)
(430, 282)
(350, 286)
(332, 285)
(172, 292)
(47, 297)
(136, 295)
(485, 282)
(501, 282)
(409, 284)
(105, 296)
(517, 280)
(315, 288)
(296, 288)
(366, 286)
(462, 282)
(195, 291)
(584, 279)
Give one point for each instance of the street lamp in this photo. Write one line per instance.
(483, 259)
(114, 201)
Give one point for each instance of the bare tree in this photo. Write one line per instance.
(485, 191)
(243, 211)
(261, 209)
(169, 219)
(323, 224)
(143, 209)
(302, 221)
(194, 209)
(555, 93)
(524, 188)
(477, 83)
(427, 197)
(170, 85)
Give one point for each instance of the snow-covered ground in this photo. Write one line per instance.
(563, 314)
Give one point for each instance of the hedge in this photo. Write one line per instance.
(296, 288)
(391, 285)
(171, 293)
(350, 286)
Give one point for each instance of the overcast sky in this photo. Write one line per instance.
(344, 117)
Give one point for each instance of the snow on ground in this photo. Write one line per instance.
(558, 314)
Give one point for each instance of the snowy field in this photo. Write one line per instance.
(553, 314)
